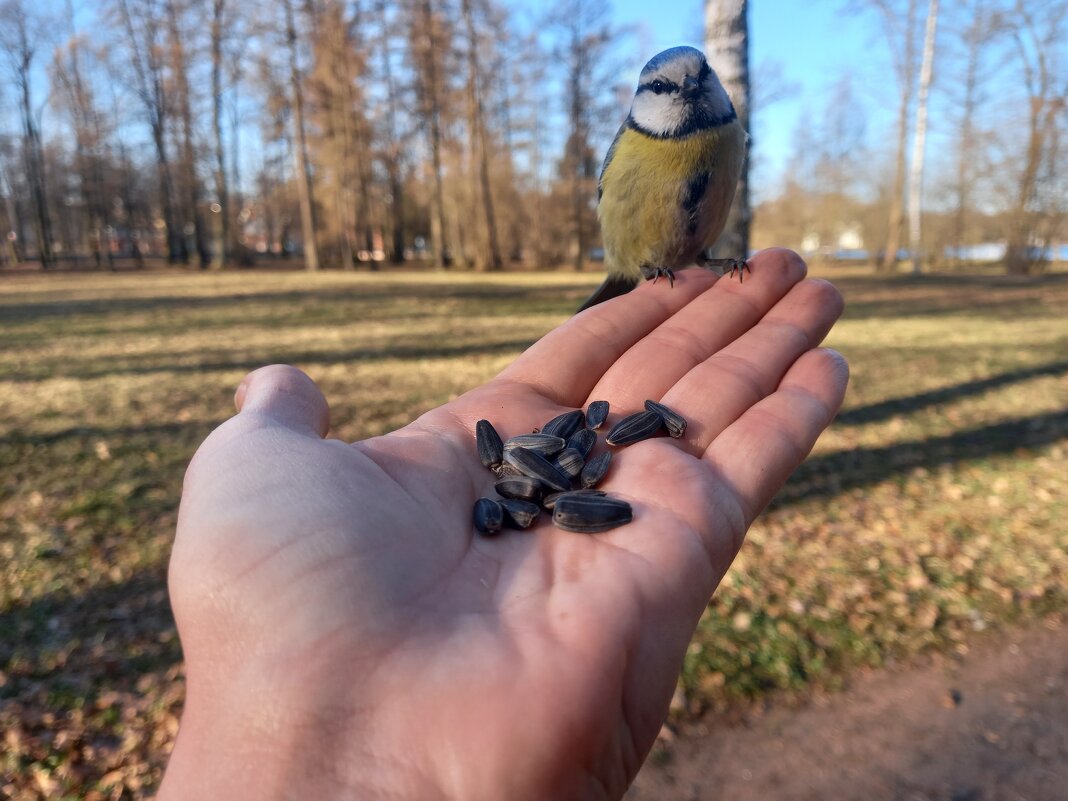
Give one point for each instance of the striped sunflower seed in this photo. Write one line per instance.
(549, 501)
(490, 447)
(570, 461)
(546, 444)
(589, 514)
(583, 441)
(489, 516)
(674, 422)
(596, 414)
(518, 513)
(505, 470)
(533, 464)
(564, 425)
(523, 488)
(635, 428)
(595, 470)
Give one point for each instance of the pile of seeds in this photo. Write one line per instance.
(552, 469)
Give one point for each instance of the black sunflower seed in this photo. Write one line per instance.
(596, 414)
(570, 461)
(489, 516)
(564, 425)
(549, 501)
(533, 464)
(546, 444)
(595, 470)
(674, 422)
(588, 514)
(635, 428)
(490, 447)
(519, 513)
(583, 441)
(523, 488)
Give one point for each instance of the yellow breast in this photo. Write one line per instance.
(643, 189)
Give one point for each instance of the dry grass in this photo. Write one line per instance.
(934, 507)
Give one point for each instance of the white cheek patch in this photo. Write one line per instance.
(658, 114)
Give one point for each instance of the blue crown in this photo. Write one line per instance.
(672, 53)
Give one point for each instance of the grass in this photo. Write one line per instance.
(934, 507)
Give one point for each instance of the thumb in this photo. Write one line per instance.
(286, 396)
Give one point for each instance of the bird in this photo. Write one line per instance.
(668, 178)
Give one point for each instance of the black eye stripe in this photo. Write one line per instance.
(665, 86)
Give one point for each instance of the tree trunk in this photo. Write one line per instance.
(393, 166)
(300, 148)
(916, 168)
(220, 252)
(727, 50)
(35, 174)
(897, 213)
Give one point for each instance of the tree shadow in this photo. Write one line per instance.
(845, 470)
(910, 403)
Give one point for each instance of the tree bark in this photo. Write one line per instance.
(221, 250)
(916, 168)
(727, 50)
(300, 147)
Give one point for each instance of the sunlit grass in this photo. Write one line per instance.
(934, 507)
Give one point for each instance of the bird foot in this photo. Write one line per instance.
(655, 274)
(725, 266)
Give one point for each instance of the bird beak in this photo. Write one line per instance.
(691, 87)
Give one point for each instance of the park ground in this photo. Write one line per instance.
(924, 538)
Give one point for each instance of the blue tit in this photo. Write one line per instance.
(668, 179)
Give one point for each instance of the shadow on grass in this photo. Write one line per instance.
(167, 363)
(846, 470)
(193, 430)
(106, 636)
(910, 403)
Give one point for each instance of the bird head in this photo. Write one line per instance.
(678, 93)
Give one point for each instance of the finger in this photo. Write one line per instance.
(707, 324)
(718, 391)
(566, 363)
(758, 452)
(286, 396)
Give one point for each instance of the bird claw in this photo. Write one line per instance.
(727, 267)
(655, 273)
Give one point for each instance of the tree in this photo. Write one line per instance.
(300, 144)
(221, 250)
(916, 167)
(20, 36)
(1038, 30)
(727, 50)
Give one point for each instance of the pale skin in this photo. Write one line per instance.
(347, 634)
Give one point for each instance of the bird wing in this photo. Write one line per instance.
(613, 287)
(608, 160)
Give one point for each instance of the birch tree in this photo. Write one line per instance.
(916, 166)
(727, 51)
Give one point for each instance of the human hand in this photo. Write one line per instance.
(346, 632)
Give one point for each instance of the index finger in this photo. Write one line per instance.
(567, 363)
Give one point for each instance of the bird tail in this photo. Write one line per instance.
(613, 287)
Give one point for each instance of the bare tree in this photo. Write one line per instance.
(916, 167)
(300, 144)
(727, 50)
(143, 23)
(221, 250)
(1038, 30)
(393, 145)
(20, 36)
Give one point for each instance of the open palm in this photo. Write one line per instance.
(346, 632)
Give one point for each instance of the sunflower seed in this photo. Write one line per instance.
(674, 422)
(520, 514)
(489, 516)
(570, 461)
(564, 425)
(635, 428)
(546, 444)
(549, 501)
(595, 469)
(596, 414)
(588, 514)
(490, 447)
(537, 466)
(505, 470)
(582, 441)
(523, 488)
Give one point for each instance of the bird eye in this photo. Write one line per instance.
(658, 87)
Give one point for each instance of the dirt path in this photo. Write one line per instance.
(992, 726)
